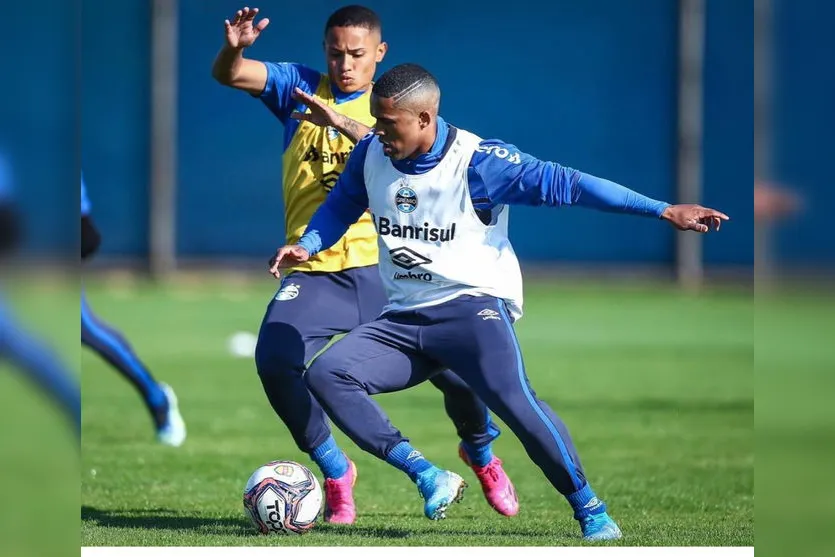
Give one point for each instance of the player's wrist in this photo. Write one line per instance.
(307, 244)
(340, 122)
(228, 49)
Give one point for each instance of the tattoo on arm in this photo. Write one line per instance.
(353, 129)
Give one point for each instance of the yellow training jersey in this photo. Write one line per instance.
(313, 160)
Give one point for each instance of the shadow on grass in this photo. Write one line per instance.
(168, 519)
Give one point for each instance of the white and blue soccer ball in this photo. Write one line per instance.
(283, 497)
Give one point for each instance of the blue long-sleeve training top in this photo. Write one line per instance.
(498, 174)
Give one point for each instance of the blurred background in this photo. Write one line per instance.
(655, 94)
(727, 103)
(609, 87)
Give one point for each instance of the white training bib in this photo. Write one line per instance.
(433, 245)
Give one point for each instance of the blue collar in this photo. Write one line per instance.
(341, 96)
(427, 161)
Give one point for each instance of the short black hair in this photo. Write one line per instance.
(354, 16)
(403, 79)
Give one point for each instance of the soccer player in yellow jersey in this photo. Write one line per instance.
(340, 288)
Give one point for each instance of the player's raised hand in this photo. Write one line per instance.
(694, 217)
(323, 115)
(242, 31)
(320, 113)
(287, 256)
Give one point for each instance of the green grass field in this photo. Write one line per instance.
(656, 387)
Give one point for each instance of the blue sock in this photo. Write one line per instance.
(330, 459)
(585, 503)
(408, 459)
(479, 456)
(156, 397)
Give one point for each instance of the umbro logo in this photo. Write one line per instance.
(594, 502)
(407, 259)
(329, 179)
(486, 314)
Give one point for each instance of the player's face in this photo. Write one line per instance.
(402, 132)
(352, 54)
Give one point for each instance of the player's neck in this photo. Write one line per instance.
(425, 146)
(339, 94)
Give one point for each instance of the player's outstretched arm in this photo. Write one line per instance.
(230, 67)
(322, 115)
(504, 175)
(597, 193)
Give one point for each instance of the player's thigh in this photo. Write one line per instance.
(372, 293)
(382, 356)
(306, 311)
(474, 337)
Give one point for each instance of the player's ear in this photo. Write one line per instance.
(424, 118)
(382, 48)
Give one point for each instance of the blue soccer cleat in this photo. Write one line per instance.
(172, 428)
(600, 527)
(440, 489)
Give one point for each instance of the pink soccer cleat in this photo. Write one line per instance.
(339, 497)
(497, 487)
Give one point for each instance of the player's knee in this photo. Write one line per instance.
(278, 352)
(328, 376)
(319, 377)
(326, 373)
(271, 363)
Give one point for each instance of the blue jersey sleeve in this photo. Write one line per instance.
(344, 205)
(500, 173)
(85, 201)
(282, 79)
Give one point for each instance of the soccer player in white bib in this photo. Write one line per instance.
(439, 199)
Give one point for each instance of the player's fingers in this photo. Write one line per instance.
(262, 24)
(303, 116)
(715, 213)
(291, 258)
(247, 14)
(237, 19)
(274, 268)
(300, 95)
(310, 100)
(699, 227)
(279, 253)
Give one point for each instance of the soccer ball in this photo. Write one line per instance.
(283, 497)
